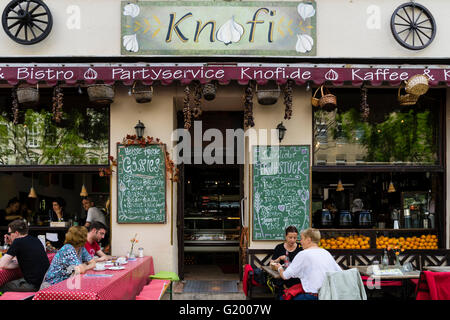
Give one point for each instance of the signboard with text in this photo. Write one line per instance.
(219, 28)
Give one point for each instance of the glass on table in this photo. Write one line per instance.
(407, 267)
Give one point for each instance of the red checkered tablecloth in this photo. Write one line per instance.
(123, 285)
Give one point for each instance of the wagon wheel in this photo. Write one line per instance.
(27, 21)
(413, 26)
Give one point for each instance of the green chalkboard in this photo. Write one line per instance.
(141, 184)
(281, 190)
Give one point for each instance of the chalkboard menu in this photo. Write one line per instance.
(281, 190)
(141, 184)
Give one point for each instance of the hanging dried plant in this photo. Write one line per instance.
(288, 100)
(197, 110)
(364, 106)
(57, 104)
(15, 105)
(248, 105)
(187, 112)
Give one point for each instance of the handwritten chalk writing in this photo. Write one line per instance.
(141, 176)
(281, 183)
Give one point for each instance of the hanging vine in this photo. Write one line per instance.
(57, 104)
(248, 105)
(288, 100)
(15, 105)
(364, 106)
(187, 112)
(197, 110)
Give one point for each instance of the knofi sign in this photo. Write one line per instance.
(219, 28)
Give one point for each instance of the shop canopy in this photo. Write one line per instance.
(222, 73)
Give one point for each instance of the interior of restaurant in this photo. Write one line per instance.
(52, 148)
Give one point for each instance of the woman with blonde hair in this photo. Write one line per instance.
(71, 258)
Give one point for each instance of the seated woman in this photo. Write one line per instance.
(71, 258)
(284, 254)
(57, 214)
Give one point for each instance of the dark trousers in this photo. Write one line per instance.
(19, 285)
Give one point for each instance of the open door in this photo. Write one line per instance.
(180, 222)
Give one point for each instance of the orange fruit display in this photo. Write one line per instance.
(349, 242)
(428, 242)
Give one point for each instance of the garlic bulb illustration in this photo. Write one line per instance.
(130, 43)
(304, 43)
(229, 32)
(331, 75)
(306, 11)
(132, 10)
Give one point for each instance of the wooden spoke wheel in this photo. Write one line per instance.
(27, 21)
(413, 26)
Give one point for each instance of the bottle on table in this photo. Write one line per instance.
(385, 259)
(407, 215)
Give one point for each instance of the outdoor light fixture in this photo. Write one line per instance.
(391, 186)
(281, 131)
(83, 192)
(139, 129)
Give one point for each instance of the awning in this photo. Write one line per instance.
(223, 73)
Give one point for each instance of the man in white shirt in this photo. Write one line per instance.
(310, 265)
(93, 213)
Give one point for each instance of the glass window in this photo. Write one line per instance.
(392, 134)
(80, 138)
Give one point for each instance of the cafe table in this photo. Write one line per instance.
(405, 277)
(274, 273)
(437, 268)
(102, 285)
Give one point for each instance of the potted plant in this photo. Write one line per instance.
(268, 95)
(142, 94)
(28, 96)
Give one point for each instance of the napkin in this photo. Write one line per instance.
(52, 236)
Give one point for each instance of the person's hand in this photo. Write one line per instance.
(101, 259)
(278, 266)
(7, 239)
(282, 258)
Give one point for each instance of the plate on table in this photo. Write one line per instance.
(116, 268)
(101, 269)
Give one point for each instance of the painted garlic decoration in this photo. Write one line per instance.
(229, 32)
(304, 43)
(132, 10)
(306, 11)
(130, 43)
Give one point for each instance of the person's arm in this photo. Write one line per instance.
(8, 262)
(82, 268)
(102, 256)
(88, 218)
(280, 271)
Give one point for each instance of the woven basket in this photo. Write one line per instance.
(142, 94)
(314, 100)
(268, 96)
(101, 94)
(417, 85)
(407, 99)
(328, 101)
(209, 91)
(27, 96)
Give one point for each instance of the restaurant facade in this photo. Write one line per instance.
(257, 116)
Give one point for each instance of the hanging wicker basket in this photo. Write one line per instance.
(209, 91)
(28, 96)
(314, 100)
(101, 94)
(406, 99)
(328, 101)
(417, 85)
(268, 96)
(142, 94)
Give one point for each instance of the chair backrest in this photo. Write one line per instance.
(343, 285)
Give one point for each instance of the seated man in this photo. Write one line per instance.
(31, 258)
(97, 231)
(310, 265)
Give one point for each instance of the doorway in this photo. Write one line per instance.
(209, 210)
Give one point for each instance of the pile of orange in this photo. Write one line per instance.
(423, 242)
(350, 242)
